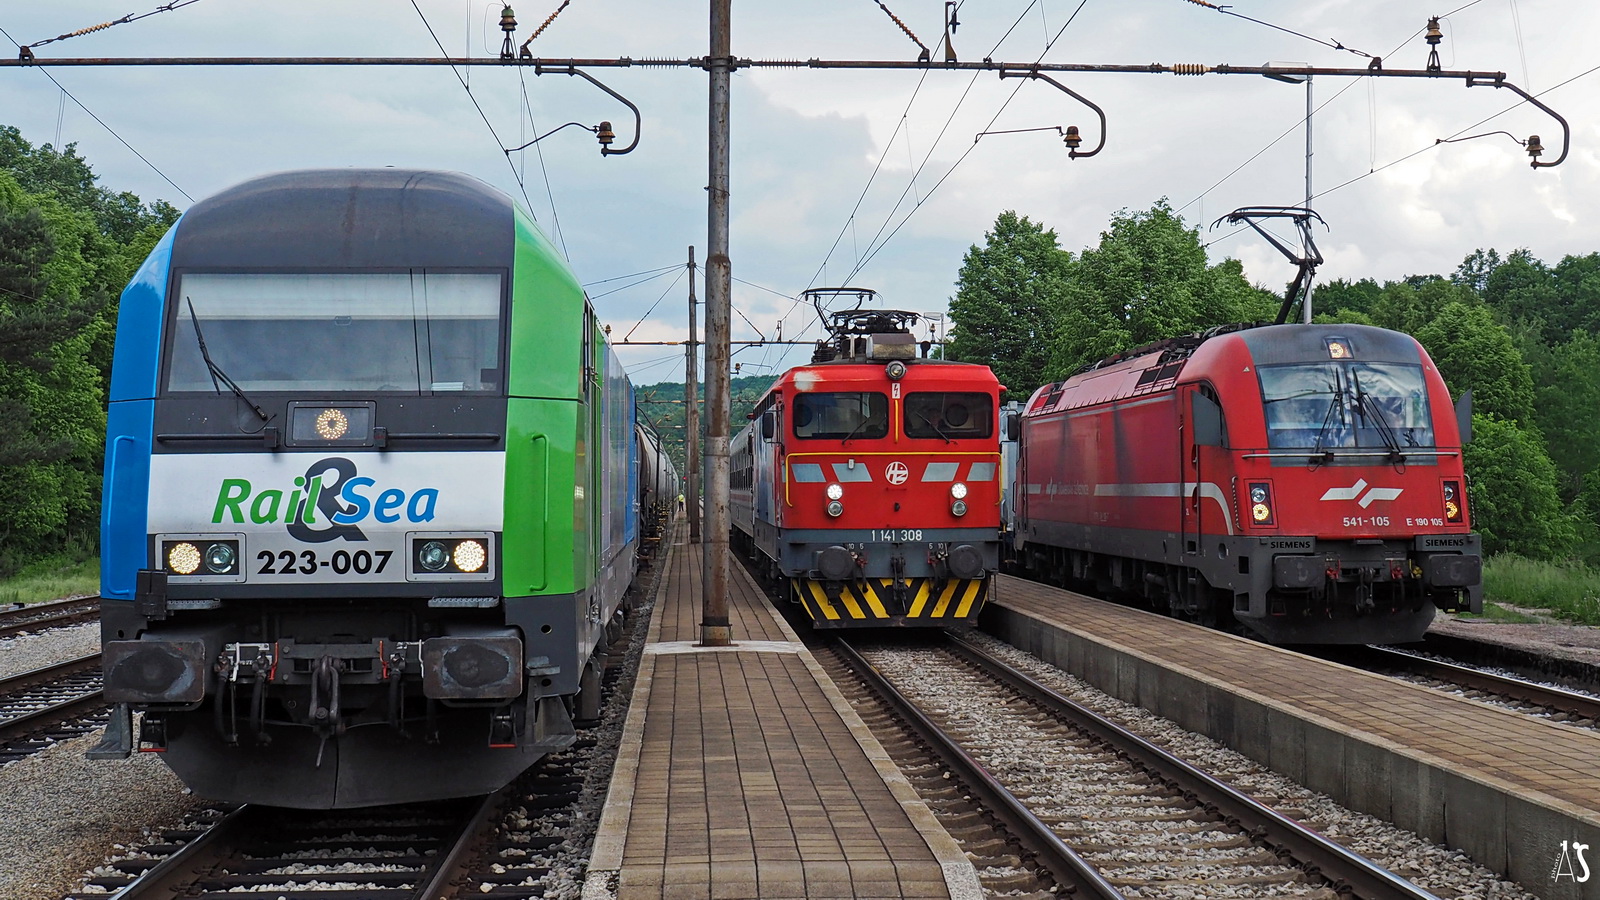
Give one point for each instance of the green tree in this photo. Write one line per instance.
(1146, 280)
(1474, 352)
(1513, 500)
(1523, 289)
(52, 418)
(1567, 408)
(1474, 271)
(1008, 296)
(1578, 286)
(1345, 301)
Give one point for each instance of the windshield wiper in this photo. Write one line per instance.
(1368, 408)
(1336, 402)
(216, 370)
(937, 430)
(859, 425)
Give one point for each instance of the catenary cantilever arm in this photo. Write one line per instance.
(1566, 130)
(1033, 73)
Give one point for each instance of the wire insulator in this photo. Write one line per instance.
(1191, 68)
(540, 30)
(896, 20)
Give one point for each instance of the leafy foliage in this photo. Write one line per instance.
(1008, 297)
(1474, 351)
(1147, 280)
(1513, 499)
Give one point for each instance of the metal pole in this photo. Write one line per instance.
(691, 421)
(714, 626)
(1305, 304)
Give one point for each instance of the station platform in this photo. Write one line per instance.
(744, 773)
(1506, 788)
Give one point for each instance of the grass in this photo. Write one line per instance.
(1570, 592)
(52, 579)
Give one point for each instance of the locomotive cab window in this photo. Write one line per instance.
(1328, 406)
(411, 332)
(949, 415)
(841, 415)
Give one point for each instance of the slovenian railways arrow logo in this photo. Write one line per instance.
(1354, 491)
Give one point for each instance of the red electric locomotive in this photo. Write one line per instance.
(869, 480)
(1303, 480)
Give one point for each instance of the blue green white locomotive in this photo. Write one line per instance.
(373, 493)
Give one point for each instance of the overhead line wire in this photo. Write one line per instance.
(522, 76)
(655, 304)
(636, 283)
(634, 275)
(932, 147)
(113, 131)
(1301, 121)
(481, 114)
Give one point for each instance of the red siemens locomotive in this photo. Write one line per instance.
(869, 480)
(1303, 480)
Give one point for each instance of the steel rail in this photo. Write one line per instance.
(55, 615)
(21, 726)
(451, 865)
(1072, 870)
(1502, 685)
(46, 674)
(178, 870)
(1348, 871)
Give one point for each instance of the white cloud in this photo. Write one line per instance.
(806, 142)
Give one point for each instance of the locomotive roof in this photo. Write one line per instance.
(321, 219)
(1158, 366)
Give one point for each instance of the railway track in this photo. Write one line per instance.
(40, 616)
(1106, 812)
(48, 704)
(1571, 707)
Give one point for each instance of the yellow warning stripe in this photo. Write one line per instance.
(864, 601)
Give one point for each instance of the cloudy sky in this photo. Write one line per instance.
(873, 178)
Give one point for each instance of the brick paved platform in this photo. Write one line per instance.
(1505, 787)
(744, 773)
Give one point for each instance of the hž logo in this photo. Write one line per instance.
(339, 499)
(1564, 867)
(896, 472)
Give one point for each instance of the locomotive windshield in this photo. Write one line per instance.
(371, 332)
(949, 415)
(1333, 405)
(841, 415)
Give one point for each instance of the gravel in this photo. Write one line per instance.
(1578, 643)
(1445, 872)
(26, 652)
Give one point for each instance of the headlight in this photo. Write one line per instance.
(332, 424)
(220, 559)
(895, 370)
(1452, 503)
(1261, 504)
(433, 556)
(958, 491)
(470, 556)
(835, 508)
(958, 508)
(835, 491)
(183, 558)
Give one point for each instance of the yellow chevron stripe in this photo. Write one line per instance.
(919, 599)
(848, 597)
(944, 599)
(873, 602)
(973, 592)
(821, 598)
